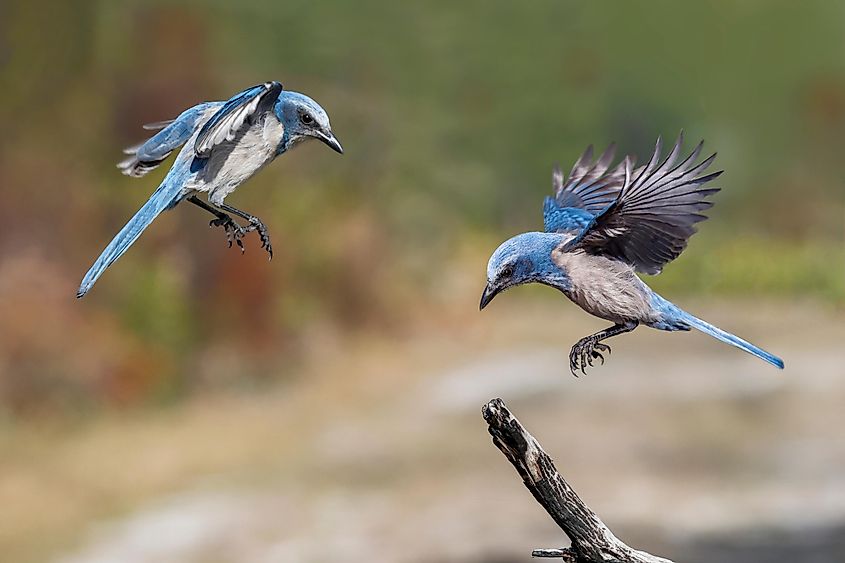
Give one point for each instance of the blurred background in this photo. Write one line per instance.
(203, 405)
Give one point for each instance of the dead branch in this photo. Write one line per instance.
(592, 541)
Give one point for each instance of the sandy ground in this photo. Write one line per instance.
(686, 447)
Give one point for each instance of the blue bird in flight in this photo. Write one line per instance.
(602, 227)
(225, 144)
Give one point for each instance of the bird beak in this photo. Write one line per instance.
(488, 295)
(331, 141)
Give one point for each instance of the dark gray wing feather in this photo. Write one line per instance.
(586, 191)
(229, 119)
(590, 186)
(654, 214)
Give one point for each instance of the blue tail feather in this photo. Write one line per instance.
(715, 332)
(166, 196)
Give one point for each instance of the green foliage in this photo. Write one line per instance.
(755, 267)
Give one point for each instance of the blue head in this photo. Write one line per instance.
(525, 258)
(303, 118)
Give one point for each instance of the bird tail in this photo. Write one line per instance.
(166, 196)
(733, 340)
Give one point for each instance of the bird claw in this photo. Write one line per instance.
(235, 232)
(255, 224)
(584, 352)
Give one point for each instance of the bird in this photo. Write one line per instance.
(224, 143)
(603, 227)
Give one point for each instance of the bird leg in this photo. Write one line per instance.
(255, 224)
(590, 347)
(234, 232)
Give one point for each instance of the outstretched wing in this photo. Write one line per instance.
(654, 214)
(225, 124)
(174, 133)
(586, 191)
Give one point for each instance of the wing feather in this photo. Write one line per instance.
(143, 157)
(156, 125)
(229, 119)
(653, 215)
(587, 189)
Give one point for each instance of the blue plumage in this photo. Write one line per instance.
(225, 143)
(602, 227)
(166, 196)
(586, 192)
(173, 134)
(674, 318)
(558, 219)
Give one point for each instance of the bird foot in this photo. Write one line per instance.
(234, 232)
(584, 352)
(255, 224)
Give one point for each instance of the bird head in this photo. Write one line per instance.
(525, 258)
(302, 118)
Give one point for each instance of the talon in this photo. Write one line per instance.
(234, 232)
(263, 234)
(593, 354)
(573, 361)
(583, 354)
(584, 358)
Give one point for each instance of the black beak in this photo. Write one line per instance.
(331, 141)
(487, 296)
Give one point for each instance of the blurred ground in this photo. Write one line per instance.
(377, 451)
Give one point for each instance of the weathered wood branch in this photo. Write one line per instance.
(592, 541)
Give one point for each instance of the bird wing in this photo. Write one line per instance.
(225, 124)
(653, 216)
(145, 156)
(156, 125)
(586, 191)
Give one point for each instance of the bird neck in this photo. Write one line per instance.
(551, 274)
(288, 141)
(546, 271)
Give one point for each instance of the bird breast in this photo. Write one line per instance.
(232, 163)
(605, 288)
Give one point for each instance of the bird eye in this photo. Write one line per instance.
(306, 119)
(507, 272)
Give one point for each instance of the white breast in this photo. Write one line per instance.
(232, 163)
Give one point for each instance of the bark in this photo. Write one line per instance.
(591, 540)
